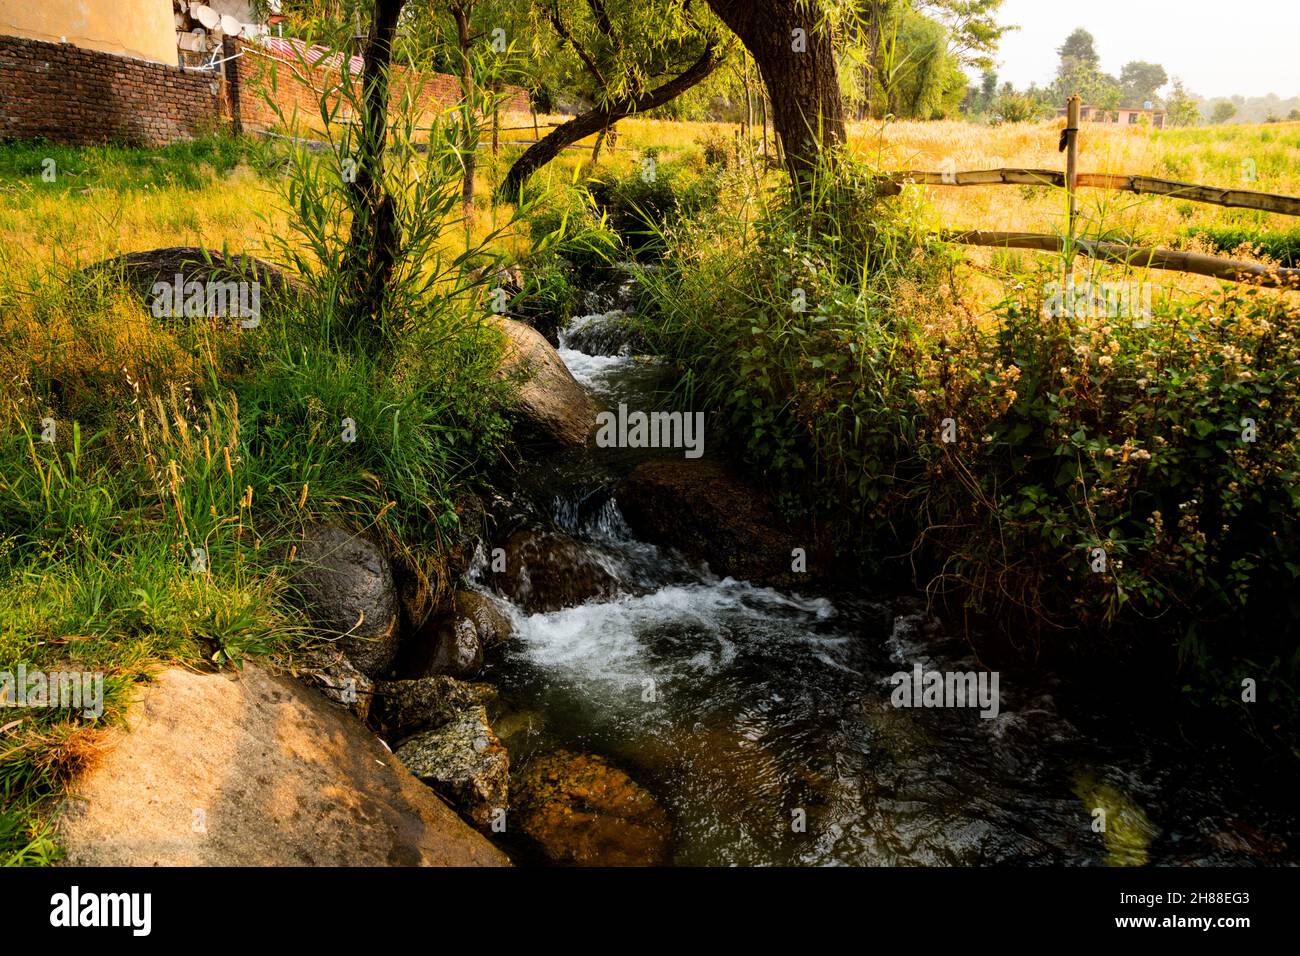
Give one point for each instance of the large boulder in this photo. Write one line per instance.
(710, 514)
(465, 762)
(255, 770)
(142, 270)
(546, 571)
(553, 406)
(347, 586)
(581, 810)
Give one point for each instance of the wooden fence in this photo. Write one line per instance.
(1071, 179)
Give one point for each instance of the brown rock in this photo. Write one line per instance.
(710, 514)
(552, 403)
(549, 572)
(256, 770)
(583, 811)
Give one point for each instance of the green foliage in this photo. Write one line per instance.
(654, 194)
(1118, 432)
(1282, 247)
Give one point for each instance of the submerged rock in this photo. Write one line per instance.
(549, 572)
(403, 707)
(347, 586)
(580, 810)
(464, 761)
(709, 514)
(554, 407)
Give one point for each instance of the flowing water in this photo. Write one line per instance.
(748, 711)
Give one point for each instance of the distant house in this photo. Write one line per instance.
(1122, 116)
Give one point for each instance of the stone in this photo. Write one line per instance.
(491, 625)
(581, 810)
(709, 514)
(464, 761)
(253, 769)
(403, 707)
(347, 587)
(552, 406)
(330, 672)
(546, 571)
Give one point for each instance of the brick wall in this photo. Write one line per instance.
(70, 95)
(434, 92)
(66, 94)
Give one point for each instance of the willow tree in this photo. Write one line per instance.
(623, 57)
(792, 43)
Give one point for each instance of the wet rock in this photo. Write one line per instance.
(709, 514)
(1240, 837)
(549, 572)
(445, 645)
(552, 405)
(489, 623)
(464, 761)
(330, 672)
(404, 707)
(580, 810)
(347, 586)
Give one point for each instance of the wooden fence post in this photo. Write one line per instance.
(1070, 141)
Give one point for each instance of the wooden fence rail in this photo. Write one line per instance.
(1071, 179)
(1239, 198)
(1234, 270)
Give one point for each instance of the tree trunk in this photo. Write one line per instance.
(602, 117)
(376, 236)
(806, 109)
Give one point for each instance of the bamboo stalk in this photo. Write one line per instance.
(1196, 263)
(1215, 195)
(1070, 143)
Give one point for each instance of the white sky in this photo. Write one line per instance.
(1219, 48)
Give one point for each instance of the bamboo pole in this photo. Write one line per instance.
(1196, 263)
(1120, 182)
(1070, 143)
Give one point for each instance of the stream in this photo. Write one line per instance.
(745, 710)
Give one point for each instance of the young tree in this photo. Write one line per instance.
(1182, 107)
(1140, 81)
(376, 235)
(1223, 111)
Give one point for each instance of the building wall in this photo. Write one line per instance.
(60, 92)
(141, 29)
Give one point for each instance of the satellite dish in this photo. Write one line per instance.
(1146, 105)
(231, 25)
(205, 15)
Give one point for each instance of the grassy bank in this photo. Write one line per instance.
(151, 469)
